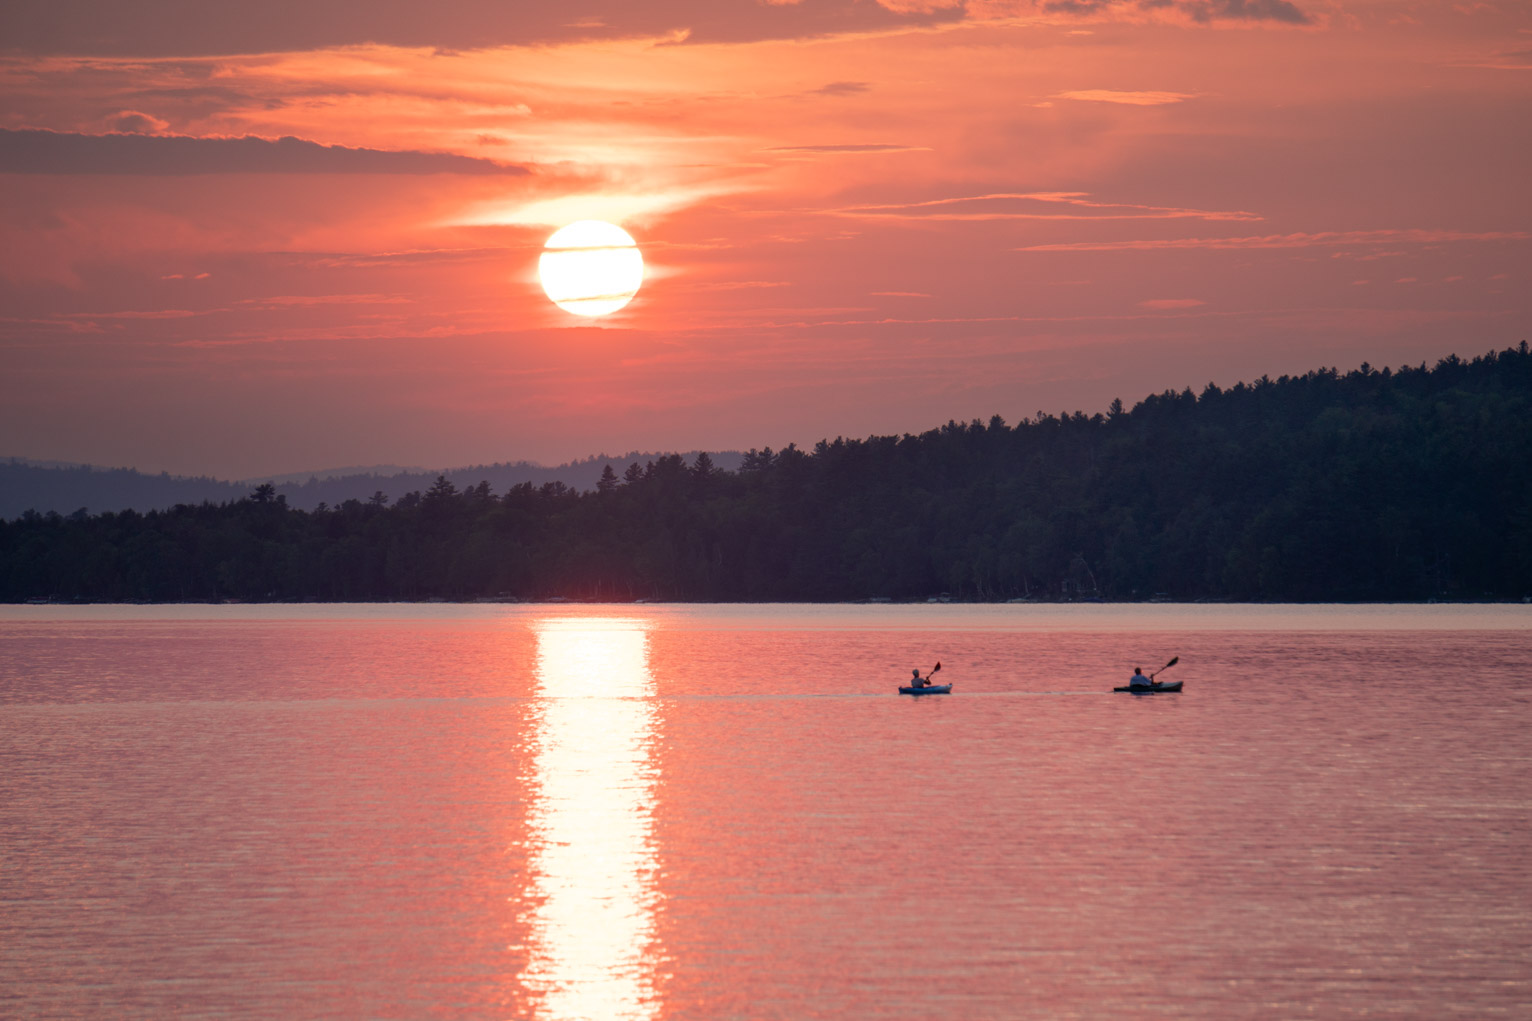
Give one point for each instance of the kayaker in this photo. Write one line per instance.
(1138, 680)
(919, 681)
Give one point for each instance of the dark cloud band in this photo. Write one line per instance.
(53, 152)
(159, 28)
(1197, 10)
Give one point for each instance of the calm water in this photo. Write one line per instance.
(652, 812)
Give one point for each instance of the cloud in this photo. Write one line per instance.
(153, 28)
(1126, 98)
(623, 207)
(840, 89)
(411, 258)
(741, 285)
(847, 148)
(1171, 303)
(1040, 205)
(133, 122)
(1318, 239)
(1198, 11)
(311, 300)
(1511, 60)
(1244, 10)
(921, 6)
(164, 313)
(53, 152)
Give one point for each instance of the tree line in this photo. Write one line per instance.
(1404, 484)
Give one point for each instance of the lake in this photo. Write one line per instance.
(716, 812)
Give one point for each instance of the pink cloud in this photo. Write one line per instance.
(850, 148)
(1299, 240)
(1126, 98)
(1036, 206)
(136, 122)
(1195, 12)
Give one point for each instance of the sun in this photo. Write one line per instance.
(591, 268)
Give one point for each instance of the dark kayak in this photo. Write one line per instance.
(1152, 689)
(929, 689)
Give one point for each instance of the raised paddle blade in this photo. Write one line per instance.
(937, 667)
(1173, 661)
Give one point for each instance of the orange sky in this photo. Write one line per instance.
(857, 217)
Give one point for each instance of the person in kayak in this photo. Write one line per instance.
(1138, 680)
(919, 681)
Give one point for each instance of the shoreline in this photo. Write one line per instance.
(564, 601)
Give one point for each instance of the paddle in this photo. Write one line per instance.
(925, 681)
(1173, 661)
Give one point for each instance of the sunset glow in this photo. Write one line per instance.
(856, 218)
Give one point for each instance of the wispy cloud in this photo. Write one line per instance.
(1126, 98)
(1513, 60)
(1040, 205)
(1195, 11)
(618, 207)
(840, 89)
(740, 285)
(847, 148)
(1301, 240)
(136, 122)
(413, 257)
(312, 300)
(164, 313)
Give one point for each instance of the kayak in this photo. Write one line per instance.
(929, 689)
(1153, 689)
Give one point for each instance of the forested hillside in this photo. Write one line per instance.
(1368, 485)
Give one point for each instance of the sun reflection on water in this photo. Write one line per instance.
(593, 862)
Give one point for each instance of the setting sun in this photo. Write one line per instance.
(591, 268)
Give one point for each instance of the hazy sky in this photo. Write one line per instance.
(255, 238)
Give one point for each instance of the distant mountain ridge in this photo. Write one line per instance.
(64, 488)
